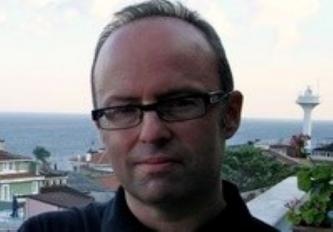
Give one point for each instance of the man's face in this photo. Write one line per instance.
(142, 63)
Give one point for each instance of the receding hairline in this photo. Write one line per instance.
(160, 8)
(175, 38)
(196, 33)
(202, 44)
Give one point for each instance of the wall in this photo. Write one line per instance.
(34, 207)
(21, 188)
(270, 206)
(15, 166)
(23, 166)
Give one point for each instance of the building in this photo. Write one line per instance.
(19, 175)
(308, 101)
(89, 186)
(324, 153)
(53, 177)
(94, 160)
(96, 167)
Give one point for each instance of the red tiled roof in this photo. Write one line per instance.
(18, 175)
(63, 197)
(109, 182)
(4, 155)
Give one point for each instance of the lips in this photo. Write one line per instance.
(158, 160)
(157, 164)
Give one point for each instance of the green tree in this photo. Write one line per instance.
(250, 169)
(41, 154)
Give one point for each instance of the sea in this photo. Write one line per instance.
(69, 135)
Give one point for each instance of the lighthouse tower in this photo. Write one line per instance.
(307, 100)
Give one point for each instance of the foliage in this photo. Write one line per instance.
(41, 154)
(298, 142)
(317, 180)
(250, 169)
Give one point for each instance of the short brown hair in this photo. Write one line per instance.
(165, 8)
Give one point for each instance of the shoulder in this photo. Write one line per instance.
(258, 225)
(75, 219)
(237, 210)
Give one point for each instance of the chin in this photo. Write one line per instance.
(157, 192)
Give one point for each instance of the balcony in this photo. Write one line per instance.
(270, 206)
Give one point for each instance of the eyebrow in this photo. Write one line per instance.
(176, 92)
(180, 92)
(121, 99)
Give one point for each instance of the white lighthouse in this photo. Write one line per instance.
(307, 100)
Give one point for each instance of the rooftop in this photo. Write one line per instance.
(93, 157)
(5, 156)
(52, 172)
(18, 176)
(308, 97)
(62, 196)
(82, 183)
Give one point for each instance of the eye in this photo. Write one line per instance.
(120, 113)
(182, 103)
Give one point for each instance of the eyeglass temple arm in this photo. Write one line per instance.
(218, 96)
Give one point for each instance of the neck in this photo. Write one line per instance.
(189, 213)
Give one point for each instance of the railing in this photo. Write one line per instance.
(270, 206)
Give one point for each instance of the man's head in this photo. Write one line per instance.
(167, 9)
(158, 72)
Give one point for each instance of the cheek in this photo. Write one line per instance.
(203, 138)
(118, 142)
(116, 149)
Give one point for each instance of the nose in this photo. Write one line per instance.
(153, 130)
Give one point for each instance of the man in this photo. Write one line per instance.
(15, 207)
(164, 105)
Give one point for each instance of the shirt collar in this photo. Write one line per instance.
(118, 218)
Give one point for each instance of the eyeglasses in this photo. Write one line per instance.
(175, 109)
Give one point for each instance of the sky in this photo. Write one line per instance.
(276, 48)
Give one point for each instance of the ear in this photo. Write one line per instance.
(232, 113)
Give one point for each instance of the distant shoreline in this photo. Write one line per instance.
(66, 135)
(88, 115)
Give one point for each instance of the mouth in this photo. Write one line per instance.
(158, 164)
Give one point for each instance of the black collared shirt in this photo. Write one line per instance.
(115, 216)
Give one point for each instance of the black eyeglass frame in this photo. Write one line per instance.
(209, 98)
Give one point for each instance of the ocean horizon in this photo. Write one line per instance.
(68, 135)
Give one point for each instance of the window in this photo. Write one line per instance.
(8, 167)
(34, 187)
(5, 193)
(5, 167)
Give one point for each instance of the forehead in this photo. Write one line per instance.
(153, 50)
(156, 31)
